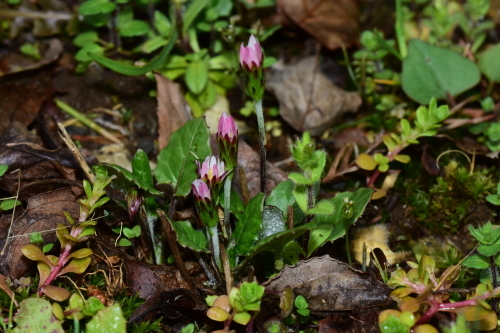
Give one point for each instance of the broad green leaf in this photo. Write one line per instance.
(126, 180)
(318, 237)
(153, 44)
(187, 236)
(109, 319)
(9, 204)
(91, 7)
(162, 23)
(430, 71)
(237, 205)
(133, 28)
(476, 261)
(83, 54)
(35, 315)
(191, 12)
(489, 63)
(81, 253)
(132, 232)
(85, 38)
(344, 215)
(272, 222)
(141, 167)
(196, 76)
(134, 70)
(208, 96)
(281, 196)
(248, 227)
(176, 162)
(76, 265)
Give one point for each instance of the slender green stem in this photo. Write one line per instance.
(76, 325)
(262, 141)
(400, 32)
(227, 203)
(214, 233)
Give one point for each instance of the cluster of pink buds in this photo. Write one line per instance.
(252, 64)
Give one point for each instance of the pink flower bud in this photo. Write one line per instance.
(227, 128)
(251, 56)
(201, 191)
(211, 170)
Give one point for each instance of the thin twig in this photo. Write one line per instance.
(13, 212)
(76, 153)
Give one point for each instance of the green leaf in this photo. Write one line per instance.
(176, 162)
(339, 218)
(476, 261)
(323, 207)
(33, 252)
(134, 70)
(272, 222)
(196, 76)
(109, 319)
(86, 232)
(133, 232)
(402, 158)
(141, 168)
(247, 229)
(187, 236)
(300, 196)
(281, 196)
(3, 169)
(83, 54)
(84, 38)
(126, 180)
(430, 71)
(300, 179)
(76, 265)
(36, 238)
(133, 28)
(366, 162)
(190, 14)
(318, 237)
(301, 302)
(153, 44)
(91, 7)
(81, 253)
(489, 63)
(35, 315)
(47, 247)
(124, 242)
(162, 23)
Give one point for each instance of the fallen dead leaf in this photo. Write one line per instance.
(173, 111)
(308, 99)
(331, 285)
(333, 22)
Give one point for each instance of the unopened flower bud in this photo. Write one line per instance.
(252, 62)
(134, 201)
(227, 140)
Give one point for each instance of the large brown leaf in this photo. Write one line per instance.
(331, 285)
(308, 99)
(333, 22)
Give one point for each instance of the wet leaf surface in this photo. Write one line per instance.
(330, 285)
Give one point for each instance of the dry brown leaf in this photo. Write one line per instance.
(43, 214)
(308, 99)
(333, 22)
(173, 111)
(331, 285)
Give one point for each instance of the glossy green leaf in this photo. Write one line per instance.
(430, 71)
(109, 319)
(133, 28)
(318, 237)
(35, 315)
(187, 236)
(489, 63)
(84, 38)
(191, 12)
(126, 180)
(196, 76)
(76, 265)
(247, 229)
(141, 167)
(176, 162)
(281, 196)
(91, 7)
(134, 70)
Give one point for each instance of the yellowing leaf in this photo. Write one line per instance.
(366, 162)
(402, 158)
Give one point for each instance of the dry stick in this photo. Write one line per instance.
(227, 268)
(172, 243)
(244, 185)
(13, 213)
(76, 153)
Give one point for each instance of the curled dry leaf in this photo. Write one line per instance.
(331, 285)
(333, 22)
(308, 99)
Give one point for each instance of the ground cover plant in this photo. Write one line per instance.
(249, 166)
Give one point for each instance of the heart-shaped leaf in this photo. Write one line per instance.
(176, 162)
(430, 71)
